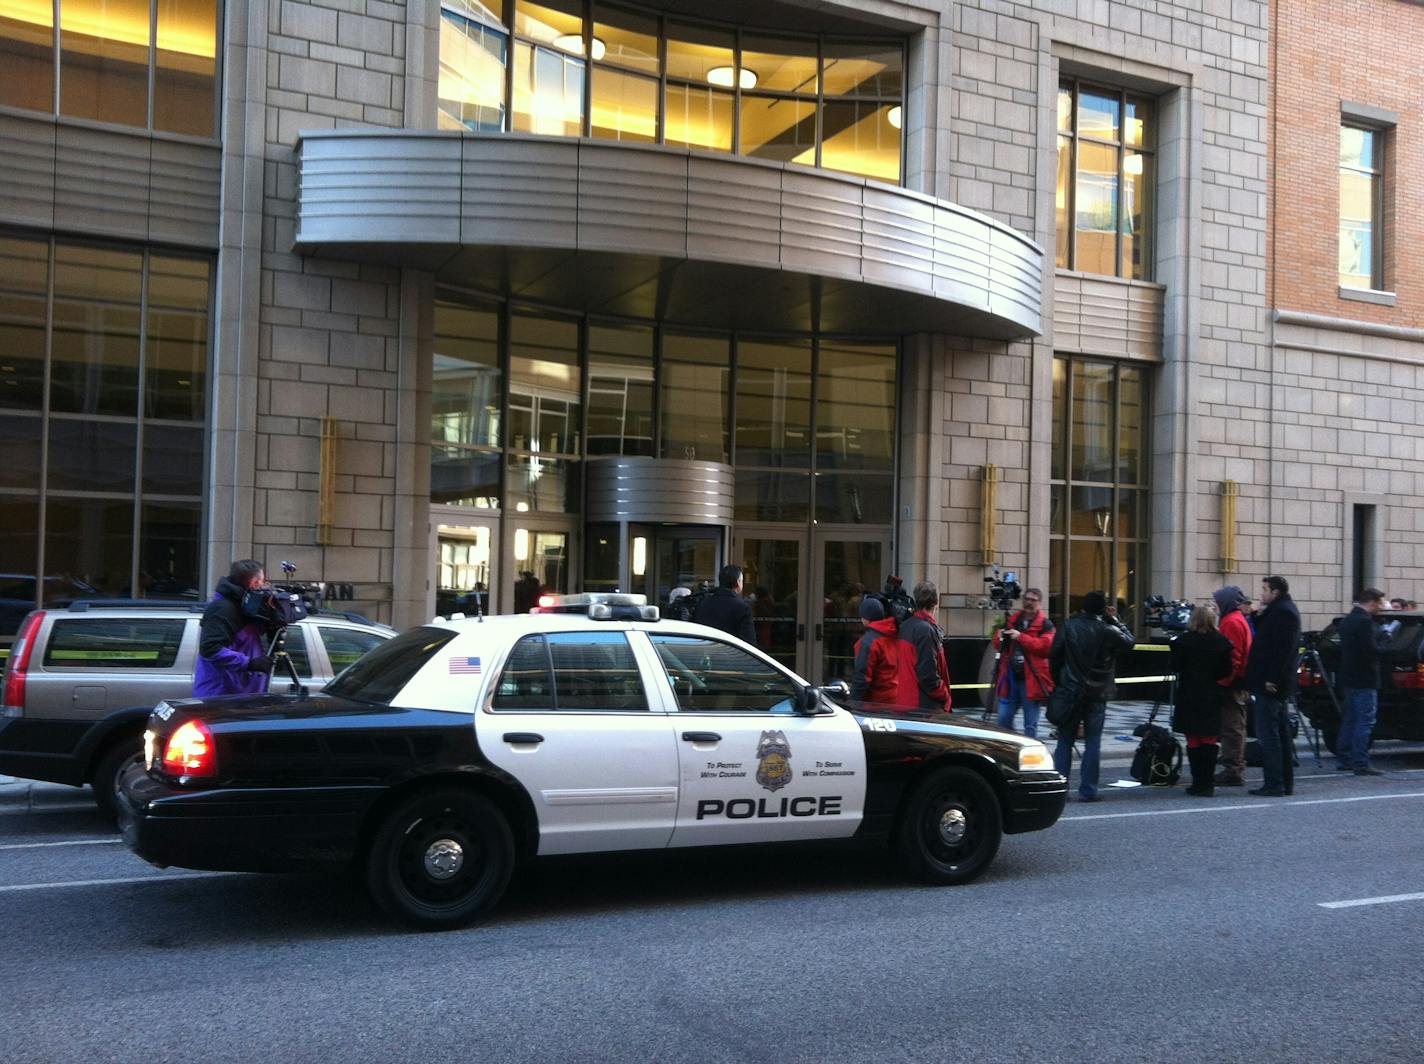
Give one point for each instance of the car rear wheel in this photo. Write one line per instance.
(110, 767)
(951, 828)
(440, 858)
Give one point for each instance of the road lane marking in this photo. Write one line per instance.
(112, 882)
(1263, 803)
(71, 842)
(1383, 900)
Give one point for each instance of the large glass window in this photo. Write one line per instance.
(621, 73)
(1099, 486)
(109, 53)
(545, 415)
(620, 390)
(466, 407)
(1361, 206)
(696, 397)
(121, 336)
(1106, 178)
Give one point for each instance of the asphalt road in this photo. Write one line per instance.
(1148, 927)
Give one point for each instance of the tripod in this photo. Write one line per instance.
(277, 652)
(1313, 655)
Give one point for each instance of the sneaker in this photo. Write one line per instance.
(1268, 792)
(1368, 772)
(1090, 797)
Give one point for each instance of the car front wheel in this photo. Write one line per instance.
(440, 858)
(951, 828)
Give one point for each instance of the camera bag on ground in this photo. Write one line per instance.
(1158, 759)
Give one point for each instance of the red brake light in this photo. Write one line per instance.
(189, 751)
(19, 660)
(1410, 678)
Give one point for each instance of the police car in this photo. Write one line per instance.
(450, 754)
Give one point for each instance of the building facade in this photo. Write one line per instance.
(452, 304)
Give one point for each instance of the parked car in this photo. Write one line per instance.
(80, 681)
(1401, 695)
(458, 750)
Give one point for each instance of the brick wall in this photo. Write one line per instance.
(1364, 52)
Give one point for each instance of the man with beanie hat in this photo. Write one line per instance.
(1231, 602)
(1083, 662)
(882, 673)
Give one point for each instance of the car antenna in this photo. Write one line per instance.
(479, 610)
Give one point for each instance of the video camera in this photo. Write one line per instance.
(896, 600)
(1003, 589)
(279, 605)
(684, 607)
(1170, 615)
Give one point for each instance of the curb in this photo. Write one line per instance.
(31, 795)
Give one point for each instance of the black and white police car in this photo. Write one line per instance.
(441, 759)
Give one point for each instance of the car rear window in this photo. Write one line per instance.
(115, 643)
(379, 676)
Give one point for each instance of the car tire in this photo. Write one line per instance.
(950, 829)
(439, 859)
(110, 766)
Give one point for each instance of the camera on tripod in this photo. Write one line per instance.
(1003, 589)
(309, 592)
(1172, 616)
(278, 605)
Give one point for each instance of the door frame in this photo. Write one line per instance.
(801, 535)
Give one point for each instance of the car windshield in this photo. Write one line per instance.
(378, 676)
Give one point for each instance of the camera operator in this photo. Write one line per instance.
(231, 658)
(1022, 677)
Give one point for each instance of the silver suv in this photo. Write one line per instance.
(81, 681)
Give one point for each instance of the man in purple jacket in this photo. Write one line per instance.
(231, 658)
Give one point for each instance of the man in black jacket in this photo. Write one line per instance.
(1271, 677)
(1360, 678)
(726, 609)
(1083, 663)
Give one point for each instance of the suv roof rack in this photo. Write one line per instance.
(85, 605)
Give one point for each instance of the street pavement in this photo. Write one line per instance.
(1150, 927)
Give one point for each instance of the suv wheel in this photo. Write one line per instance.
(440, 858)
(111, 765)
(951, 828)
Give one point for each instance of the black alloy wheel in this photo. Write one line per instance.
(951, 828)
(111, 765)
(440, 858)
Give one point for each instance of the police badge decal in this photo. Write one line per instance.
(773, 760)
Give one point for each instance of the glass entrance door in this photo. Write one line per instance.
(678, 557)
(773, 582)
(846, 567)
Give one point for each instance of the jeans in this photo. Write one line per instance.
(1277, 747)
(1018, 696)
(1093, 715)
(1353, 743)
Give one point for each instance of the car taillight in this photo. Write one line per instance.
(189, 751)
(1409, 677)
(19, 662)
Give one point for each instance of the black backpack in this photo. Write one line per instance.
(1158, 760)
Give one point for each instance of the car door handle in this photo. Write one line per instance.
(523, 737)
(701, 737)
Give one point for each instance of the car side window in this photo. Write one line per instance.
(571, 671)
(115, 643)
(345, 645)
(709, 675)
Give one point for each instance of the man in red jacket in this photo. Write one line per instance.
(1023, 677)
(1230, 604)
(883, 673)
(921, 634)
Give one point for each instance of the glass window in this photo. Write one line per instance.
(474, 49)
(695, 396)
(779, 128)
(467, 381)
(1361, 261)
(772, 495)
(700, 54)
(89, 541)
(27, 56)
(854, 498)
(169, 539)
(773, 408)
(540, 484)
(548, 91)
(20, 549)
(595, 670)
(346, 645)
(855, 406)
(542, 559)
(708, 675)
(624, 107)
(185, 66)
(173, 459)
(620, 390)
(464, 573)
(24, 280)
(544, 410)
(114, 643)
(861, 137)
(103, 71)
(176, 358)
(626, 39)
(92, 455)
(527, 680)
(465, 476)
(698, 118)
(1104, 197)
(855, 69)
(20, 437)
(294, 642)
(780, 65)
(379, 676)
(94, 365)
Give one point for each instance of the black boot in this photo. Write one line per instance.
(1202, 761)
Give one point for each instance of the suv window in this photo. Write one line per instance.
(707, 674)
(115, 643)
(345, 645)
(296, 643)
(571, 671)
(379, 676)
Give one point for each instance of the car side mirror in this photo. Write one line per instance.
(808, 701)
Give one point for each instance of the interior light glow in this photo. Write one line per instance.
(521, 544)
(573, 44)
(1132, 164)
(894, 117)
(640, 555)
(722, 77)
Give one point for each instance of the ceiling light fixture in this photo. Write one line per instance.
(894, 116)
(573, 44)
(722, 76)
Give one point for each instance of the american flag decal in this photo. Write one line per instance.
(464, 666)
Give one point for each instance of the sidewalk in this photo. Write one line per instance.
(30, 796)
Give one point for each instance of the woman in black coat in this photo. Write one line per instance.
(1201, 658)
